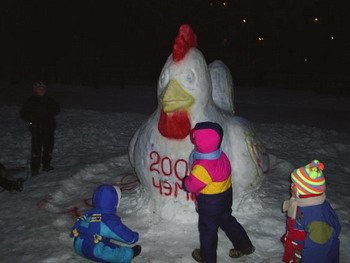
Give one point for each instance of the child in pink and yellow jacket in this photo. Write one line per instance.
(210, 180)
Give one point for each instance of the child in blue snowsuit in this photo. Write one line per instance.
(94, 230)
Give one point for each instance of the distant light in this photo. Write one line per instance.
(315, 19)
(332, 38)
(261, 39)
(225, 3)
(244, 21)
(305, 60)
(211, 3)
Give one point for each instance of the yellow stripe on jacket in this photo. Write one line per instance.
(212, 187)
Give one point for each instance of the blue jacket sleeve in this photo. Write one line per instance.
(112, 227)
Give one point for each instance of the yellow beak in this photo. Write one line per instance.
(174, 97)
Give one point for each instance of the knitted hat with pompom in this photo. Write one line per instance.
(39, 84)
(309, 179)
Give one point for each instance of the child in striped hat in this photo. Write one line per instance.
(312, 225)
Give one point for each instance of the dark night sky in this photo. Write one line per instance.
(95, 40)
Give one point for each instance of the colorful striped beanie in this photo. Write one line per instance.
(309, 179)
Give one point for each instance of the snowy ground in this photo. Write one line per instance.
(93, 132)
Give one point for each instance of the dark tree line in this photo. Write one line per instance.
(96, 41)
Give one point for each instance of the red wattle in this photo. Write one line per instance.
(174, 125)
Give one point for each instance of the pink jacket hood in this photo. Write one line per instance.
(207, 137)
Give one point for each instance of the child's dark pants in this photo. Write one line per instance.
(214, 212)
(42, 147)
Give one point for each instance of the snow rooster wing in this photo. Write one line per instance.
(159, 150)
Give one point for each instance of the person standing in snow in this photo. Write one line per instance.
(313, 227)
(39, 112)
(210, 180)
(95, 229)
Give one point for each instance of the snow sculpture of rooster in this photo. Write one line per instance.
(159, 150)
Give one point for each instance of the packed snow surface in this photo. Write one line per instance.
(94, 129)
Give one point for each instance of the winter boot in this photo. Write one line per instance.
(11, 185)
(18, 185)
(196, 254)
(137, 250)
(47, 168)
(35, 173)
(236, 253)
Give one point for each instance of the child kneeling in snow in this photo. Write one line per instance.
(312, 225)
(94, 230)
(210, 180)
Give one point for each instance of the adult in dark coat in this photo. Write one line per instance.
(39, 112)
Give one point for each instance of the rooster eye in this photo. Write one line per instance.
(164, 79)
(190, 78)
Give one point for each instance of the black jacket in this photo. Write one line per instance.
(40, 112)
